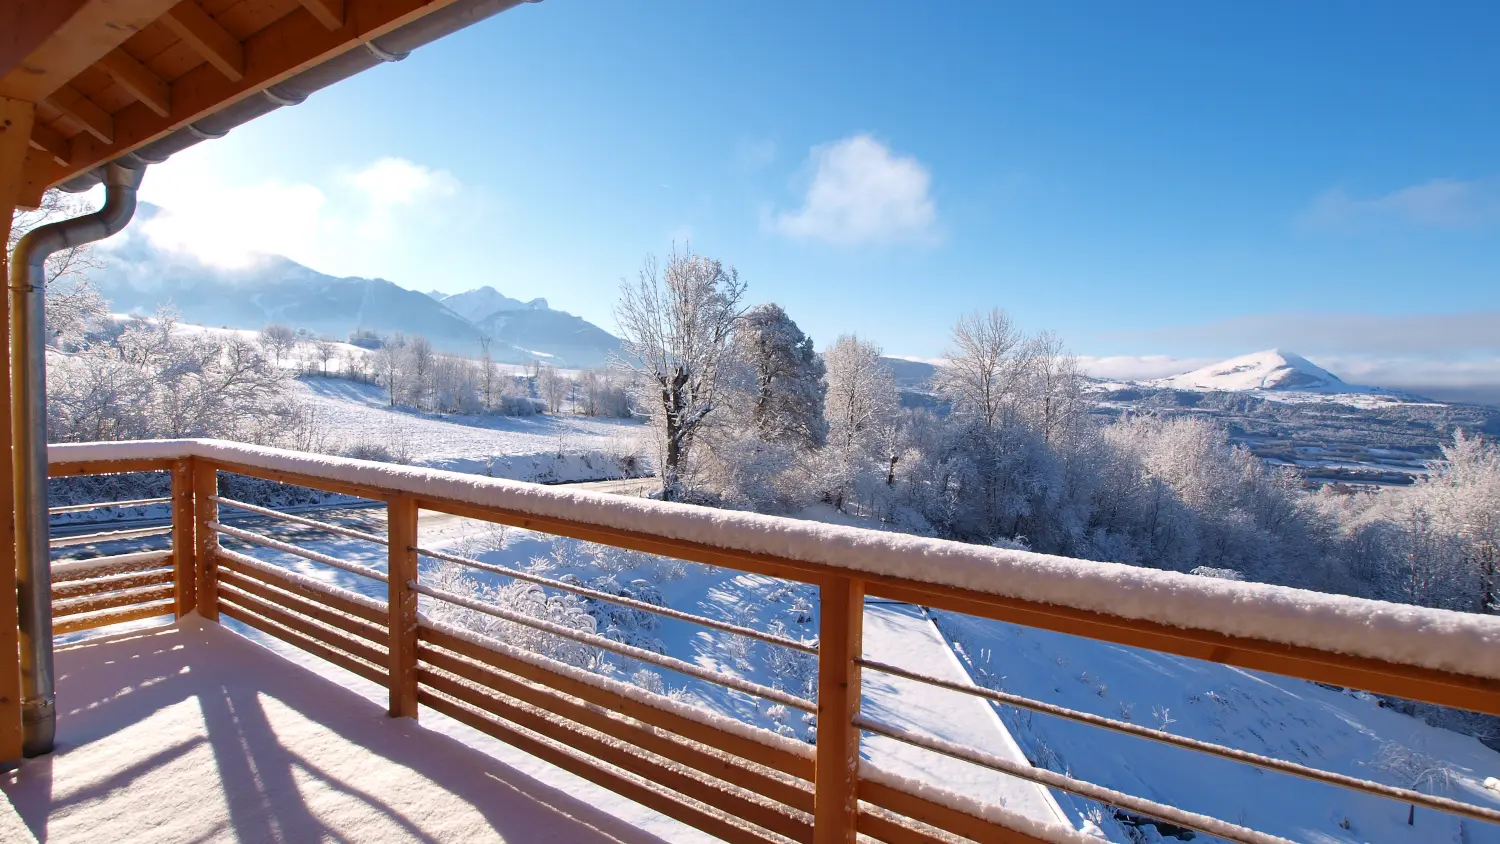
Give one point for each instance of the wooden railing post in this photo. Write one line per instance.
(840, 642)
(401, 513)
(184, 548)
(15, 131)
(205, 512)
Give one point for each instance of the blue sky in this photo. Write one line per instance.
(1159, 183)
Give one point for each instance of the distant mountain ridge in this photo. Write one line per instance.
(1271, 373)
(137, 278)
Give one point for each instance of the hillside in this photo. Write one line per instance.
(135, 277)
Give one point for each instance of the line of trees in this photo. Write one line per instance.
(746, 415)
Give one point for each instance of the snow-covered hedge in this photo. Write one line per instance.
(1416, 636)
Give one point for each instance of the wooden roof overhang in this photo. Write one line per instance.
(136, 80)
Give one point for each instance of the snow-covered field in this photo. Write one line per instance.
(534, 448)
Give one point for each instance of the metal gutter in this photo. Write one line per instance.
(28, 415)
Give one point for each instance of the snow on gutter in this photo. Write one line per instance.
(1435, 639)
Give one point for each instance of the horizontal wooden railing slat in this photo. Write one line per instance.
(745, 748)
(63, 571)
(631, 787)
(89, 621)
(307, 627)
(891, 828)
(306, 643)
(111, 600)
(293, 603)
(626, 757)
(325, 594)
(722, 765)
(936, 814)
(109, 467)
(111, 583)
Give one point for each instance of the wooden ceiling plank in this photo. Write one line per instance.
(95, 120)
(94, 28)
(204, 34)
(140, 82)
(329, 13)
(49, 140)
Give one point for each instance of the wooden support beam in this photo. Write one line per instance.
(135, 78)
(73, 43)
(27, 24)
(50, 141)
(205, 512)
(16, 119)
(841, 619)
(95, 120)
(207, 38)
(329, 13)
(402, 570)
(184, 547)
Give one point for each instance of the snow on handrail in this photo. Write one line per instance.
(1404, 795)
(1108, 796)
(277, 514)
(99, 505)
(1417, 637)
(595, 640)
(296, 550)
(646, 606)
(106, 536)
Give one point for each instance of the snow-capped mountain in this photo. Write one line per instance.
(136, 277)
(1272, 369)
(482, 303)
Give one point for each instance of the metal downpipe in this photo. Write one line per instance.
(28, 417)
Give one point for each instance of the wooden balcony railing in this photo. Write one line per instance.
(733, 781)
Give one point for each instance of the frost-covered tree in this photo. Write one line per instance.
(784, 378)
(278, 340)
(862, 409)
(73, 304)
(677, 322)
(983, 368)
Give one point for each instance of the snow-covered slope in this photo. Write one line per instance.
(1272, 369)
(1330, 729)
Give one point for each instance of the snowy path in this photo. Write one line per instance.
(900, 635)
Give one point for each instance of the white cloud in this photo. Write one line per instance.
(353, 223)
(861, 192)
(1438, 203)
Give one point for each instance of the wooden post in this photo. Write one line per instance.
(205, 512)
(15, 138)
(184, 548)
(841, 620)
(401, 515)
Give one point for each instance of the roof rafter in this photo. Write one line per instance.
(49, 140)
(329, 13)
(94, 120)
(141, 83)
(207, 38)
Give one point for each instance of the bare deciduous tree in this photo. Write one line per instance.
(278, 340)
(676, 324)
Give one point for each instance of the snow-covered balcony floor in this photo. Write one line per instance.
(191, 733)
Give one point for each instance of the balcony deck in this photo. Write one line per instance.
(190, 732)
